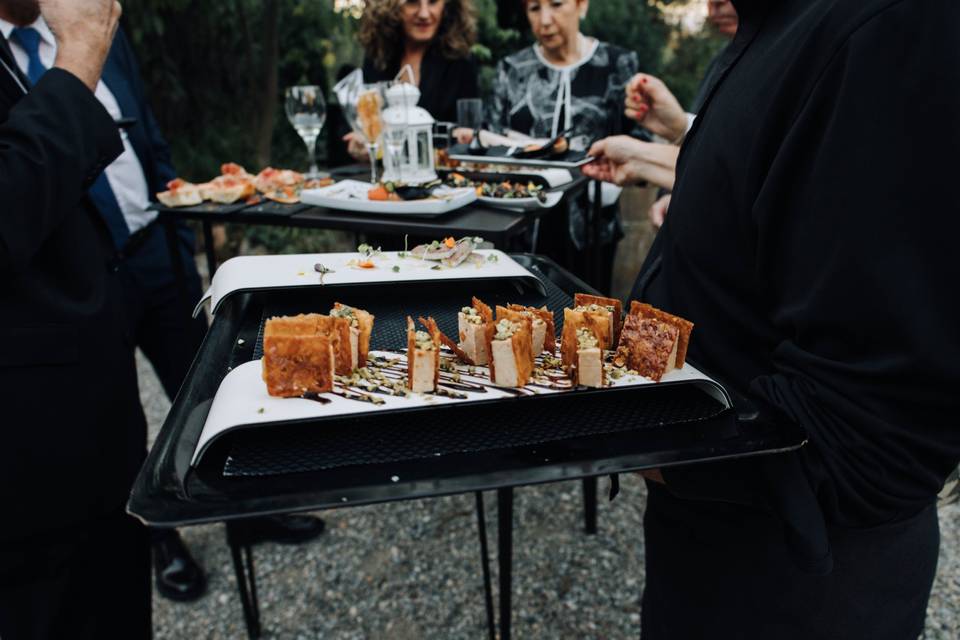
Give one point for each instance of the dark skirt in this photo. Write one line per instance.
(722, 571)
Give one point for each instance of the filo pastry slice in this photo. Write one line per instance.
(296, 357)
(471, 323)
(580, 330)
(361, 328)
(510, 343)
(423, 356)
(544, 328)
(598, 304)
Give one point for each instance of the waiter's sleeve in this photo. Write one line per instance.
(856, 232)
(55, 142)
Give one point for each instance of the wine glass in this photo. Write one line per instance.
(370, 121)
(307, 111)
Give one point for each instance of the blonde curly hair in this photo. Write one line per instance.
(381, 31)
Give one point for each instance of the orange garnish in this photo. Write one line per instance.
(449, 242)
(366, 264)
(378, 193)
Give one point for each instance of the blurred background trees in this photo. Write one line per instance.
(216, 71)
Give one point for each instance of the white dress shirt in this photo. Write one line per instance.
(125, 175)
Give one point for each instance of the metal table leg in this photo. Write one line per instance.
(209, 248)
(505, 558)
(246, 577)
(485, 564)
(590, 505)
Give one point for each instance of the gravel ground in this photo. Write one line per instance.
(411, 570)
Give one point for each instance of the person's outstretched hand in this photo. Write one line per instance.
(650, 104)
(658, 211)
(626, 161)
(84, 30)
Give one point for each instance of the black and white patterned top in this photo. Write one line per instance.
(540, 99)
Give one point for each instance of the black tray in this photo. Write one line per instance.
(399, 456)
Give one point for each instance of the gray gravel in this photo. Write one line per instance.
(411, 571)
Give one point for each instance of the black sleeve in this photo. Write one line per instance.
(53, 145)
(855, 231)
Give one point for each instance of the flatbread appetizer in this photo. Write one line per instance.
(180, 193)
(471, 324)
(598, 304)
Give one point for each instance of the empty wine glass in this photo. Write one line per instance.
(307, 111)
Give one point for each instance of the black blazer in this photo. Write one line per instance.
(72, 432)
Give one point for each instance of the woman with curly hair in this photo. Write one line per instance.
(434, 37)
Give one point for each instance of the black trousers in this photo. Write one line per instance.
(87, 582)
(722, 571)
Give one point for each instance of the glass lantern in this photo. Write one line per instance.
(407, 137)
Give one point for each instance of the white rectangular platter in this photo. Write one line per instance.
(242, 400)
(351, 195)
(253, 273)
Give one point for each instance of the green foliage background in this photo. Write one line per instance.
(207, 69)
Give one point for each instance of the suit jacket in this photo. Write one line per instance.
(71, 428)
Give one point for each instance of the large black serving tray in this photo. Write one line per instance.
(366, 459)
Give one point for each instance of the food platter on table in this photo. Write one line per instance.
(426, 200)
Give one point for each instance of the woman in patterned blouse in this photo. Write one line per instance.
(566, 81)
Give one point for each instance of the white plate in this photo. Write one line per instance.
(523, 204)
(257, 273)
(242, 400)
(351, 195)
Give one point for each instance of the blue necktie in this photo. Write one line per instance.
(100, 192)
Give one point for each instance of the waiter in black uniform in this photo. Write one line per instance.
(72, 435)
(811, 238)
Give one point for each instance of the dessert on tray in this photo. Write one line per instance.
(653, 342)
(611, 307)
(423, 356)
(589, 362)
(361, 328)
(510, 344)
(471, 323)
(297, 358)
(544, 327)
(577, 327)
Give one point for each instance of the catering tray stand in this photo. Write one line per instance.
(382, 457)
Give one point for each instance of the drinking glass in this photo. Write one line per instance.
(470, 113)
(370, 104)
(307, 111)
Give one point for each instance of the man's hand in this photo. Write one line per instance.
(626, 161)
(650, 103)
(84, 30)
(658, 211)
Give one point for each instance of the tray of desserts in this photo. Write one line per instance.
(305, 399)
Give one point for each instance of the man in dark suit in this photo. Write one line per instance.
(156, 302)
(72, 563)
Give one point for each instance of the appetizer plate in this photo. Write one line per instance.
(524, 204)
(351, 195)
(259, 273)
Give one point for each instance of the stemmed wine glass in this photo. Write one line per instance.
(370, 103)
(307, 111)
